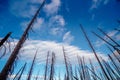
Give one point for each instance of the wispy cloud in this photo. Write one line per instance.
(57, 31)
(38, 23)
(27, 8)
(24, 8)
(56, 24)
(45, 46)
(30, 47)
(52, 7)
(68, 38)
(57, 21)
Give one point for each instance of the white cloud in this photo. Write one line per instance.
(68, 38)
(45, 46)
(52, 7)
(57, 21)
(56, 24)
(38, 23)
(57, 31)
(30, 47)
(24, 8)
(27, 8)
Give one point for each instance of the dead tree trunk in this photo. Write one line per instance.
(8, 66)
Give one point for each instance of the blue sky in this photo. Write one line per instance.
(92, 14)
(58, 23)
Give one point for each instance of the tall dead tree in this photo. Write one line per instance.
(8, 66)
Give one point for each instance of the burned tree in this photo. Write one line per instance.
(8, 66)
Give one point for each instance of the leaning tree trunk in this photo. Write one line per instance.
(8, 66)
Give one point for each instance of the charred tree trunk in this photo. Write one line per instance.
(8, 66)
